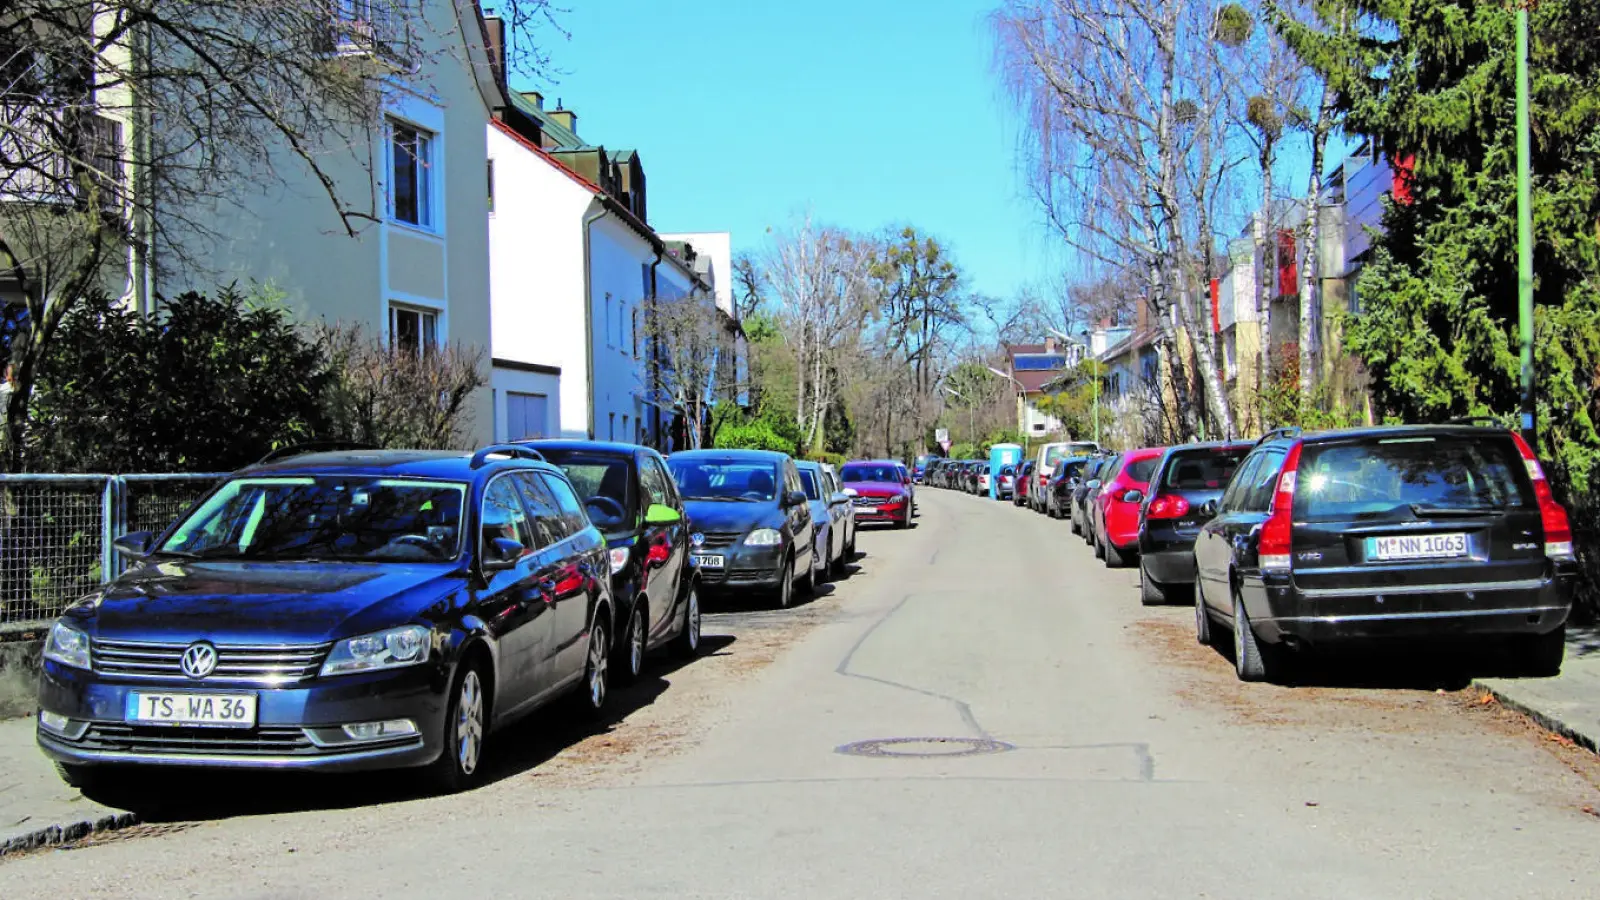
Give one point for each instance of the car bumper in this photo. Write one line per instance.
(745, 568)
(866, 515)
(296, 727)
(1440, 611)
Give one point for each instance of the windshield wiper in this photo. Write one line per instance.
(725, 499)
(1421, 511)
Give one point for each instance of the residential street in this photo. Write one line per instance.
(1141, 767)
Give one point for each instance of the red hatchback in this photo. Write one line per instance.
(1116, 506)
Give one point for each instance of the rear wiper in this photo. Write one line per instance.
(1425, 511)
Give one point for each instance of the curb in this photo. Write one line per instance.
(58, 835)
(1544, 719)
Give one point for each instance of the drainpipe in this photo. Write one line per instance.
(588, 308)
(142, 123)
(655, 356)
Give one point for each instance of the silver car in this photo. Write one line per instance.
(833, 513)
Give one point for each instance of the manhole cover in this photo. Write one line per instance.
(925, 747)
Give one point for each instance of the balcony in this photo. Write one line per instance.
(39, 144)
(375, 31)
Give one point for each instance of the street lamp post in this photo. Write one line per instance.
(1525, 229)
(972, 418)
(1096, 379)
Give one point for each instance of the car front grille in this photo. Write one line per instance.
(718, 540)
(236, 663)
(111, 738)
(868, 501)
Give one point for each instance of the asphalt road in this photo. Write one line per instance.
(1141, 768)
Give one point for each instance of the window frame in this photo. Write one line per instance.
(522, 507)
(425, 187)
(427, 339)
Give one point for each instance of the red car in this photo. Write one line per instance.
(1116, 507)
(882, 491)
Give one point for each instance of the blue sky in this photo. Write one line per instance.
(748, 113)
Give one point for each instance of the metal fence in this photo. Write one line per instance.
(56, 533)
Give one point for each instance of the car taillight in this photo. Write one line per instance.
(1167, 506)
(1277, 533)
(1557, 530)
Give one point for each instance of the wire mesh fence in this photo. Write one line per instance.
(56, 533)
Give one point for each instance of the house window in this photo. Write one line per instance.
(410, 175)
(635, 329)
(491, 187)
(412, 329)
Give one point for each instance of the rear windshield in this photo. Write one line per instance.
(1204, 470)
(1410, 476)
(1141, 470)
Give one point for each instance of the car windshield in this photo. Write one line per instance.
(604, 483)
(1204, 470)
(1140, 470)
(725, 479)
(869, 472)
(324, 518)
(1410, 477)
(809, 479)
(1054, 454)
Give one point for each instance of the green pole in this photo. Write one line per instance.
(1096, 368)
(1525, 229)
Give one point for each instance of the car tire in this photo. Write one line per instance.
(595, 689)
(466, 724)
(836, 565)
(1202, 615)
(634, 644)
(687, 644)
(1253, 660)
(1099, 549)
(1151, 593)
(824, 574)
(785, 595)
(1076, 528)
(1541, 655)
(808, 584)
(1115, 559)
(850, 547)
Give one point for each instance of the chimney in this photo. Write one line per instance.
(534, 97)
(566, 118)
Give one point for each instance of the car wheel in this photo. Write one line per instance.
(822, 573)
(465, 726)
(836, 565)
(1253, 660)
(687, 643)
(1076, 528)
(808, 584)
(1099, 549)
(1150, 592)
(1541, 655)
(1202, 615)
(597, 670)
(786, 585)
(850, 547)
(634, 642)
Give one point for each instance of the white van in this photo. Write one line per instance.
(1050, 454)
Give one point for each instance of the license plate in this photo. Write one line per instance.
(1417, 546)
(707, 562)
(216, 710)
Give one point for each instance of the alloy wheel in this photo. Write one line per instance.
(692, 626)
(599, 663)
(469, 722)
(636, 643)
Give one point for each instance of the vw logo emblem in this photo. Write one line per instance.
(698, 538)
(199, 660)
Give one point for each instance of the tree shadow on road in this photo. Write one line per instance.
(159, 795)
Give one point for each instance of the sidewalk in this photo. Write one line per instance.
(1568, 704)
(33, 798)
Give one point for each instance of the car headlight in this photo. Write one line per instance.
(67, 646)
(764, 537)
(392, 649)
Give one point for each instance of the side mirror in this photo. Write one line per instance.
(501, 554)
(838, 498)
(135, 545)
(852, 493)
(1209, 509)
(1093, 483)
(1133, 496)
(661, 514)
(794, 498)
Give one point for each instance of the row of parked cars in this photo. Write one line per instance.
(339, 608)
(1302, 540)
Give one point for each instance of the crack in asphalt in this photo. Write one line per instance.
(844, 669)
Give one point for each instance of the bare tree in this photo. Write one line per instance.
(125, 123)
(1125, 151)
(388, 395)
(692, 361)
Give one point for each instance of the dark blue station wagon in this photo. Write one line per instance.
(337, 611)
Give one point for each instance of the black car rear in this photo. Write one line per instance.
(1187, 483)
(1063, 483)
(1419, 532)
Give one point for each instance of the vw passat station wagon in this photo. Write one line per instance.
(337, 611)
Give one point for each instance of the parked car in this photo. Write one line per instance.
(1005, 483)
(337, 611)
(750, 519)
(1400, 533)
(1048, 455)
(1115, 510)
(1186, 480)
(629, 495)
(910, 484)
(1063, 482)
(881, 494)
(834, 514)
(1083, 497)
(1021, 488)
(919, 469)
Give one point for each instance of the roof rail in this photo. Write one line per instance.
(515, 451)
(1477, 420)
(312, 447)
(1287, 431)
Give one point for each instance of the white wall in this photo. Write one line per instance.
(536, 276)
(620, 261)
